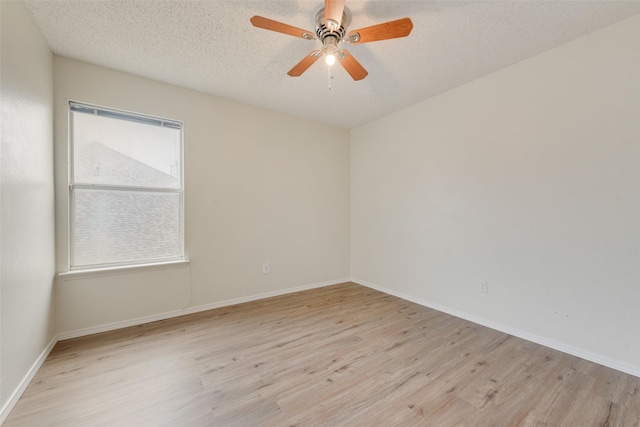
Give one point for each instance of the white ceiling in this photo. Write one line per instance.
(210, 46)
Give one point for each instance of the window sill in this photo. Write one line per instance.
(110, 271)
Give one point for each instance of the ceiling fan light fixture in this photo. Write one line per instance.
(330, 44)
(330, 59)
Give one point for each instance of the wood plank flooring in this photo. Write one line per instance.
(342, 355)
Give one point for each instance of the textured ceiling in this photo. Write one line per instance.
(210, 46)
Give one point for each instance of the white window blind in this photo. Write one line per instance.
(126, 189)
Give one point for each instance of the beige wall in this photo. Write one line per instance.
(529, 179)
(259, 187)
(26, 196)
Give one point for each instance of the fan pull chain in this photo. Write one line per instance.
(330, 76)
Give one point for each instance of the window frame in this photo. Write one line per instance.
(75, 107)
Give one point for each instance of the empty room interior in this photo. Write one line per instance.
(441, 229)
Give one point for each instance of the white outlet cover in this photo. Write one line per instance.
(484, 287)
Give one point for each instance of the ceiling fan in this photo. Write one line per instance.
(331, 27)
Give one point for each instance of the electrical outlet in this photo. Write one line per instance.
(484, 287)
(266, 269)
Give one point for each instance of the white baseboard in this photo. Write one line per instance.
(565, 348)
(190, 310)
(15, 396)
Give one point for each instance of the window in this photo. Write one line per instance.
(126, 190)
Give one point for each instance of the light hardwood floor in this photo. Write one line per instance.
(342, 355)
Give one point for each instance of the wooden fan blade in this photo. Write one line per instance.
(306, 62)
(333, 13)
(388, 30)
(352, 66)
(279, 27)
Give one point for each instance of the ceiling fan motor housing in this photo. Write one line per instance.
(330, 37)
